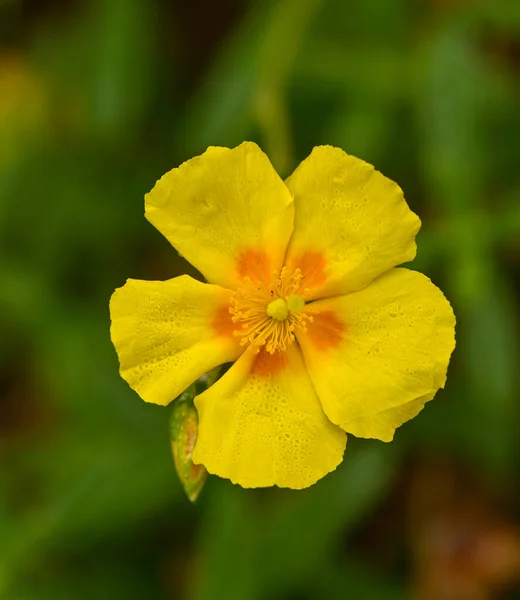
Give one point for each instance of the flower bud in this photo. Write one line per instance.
(184, 423)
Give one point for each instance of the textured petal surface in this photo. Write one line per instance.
(382, 425)
(169, 333)
(226, 211)
(351, 225)
(379, 348)
(262, 424)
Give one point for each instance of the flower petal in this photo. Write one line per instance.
(382, 425)
(226, 211)
(169, 333)
(352, 224)
(379, 348)
(262, 424)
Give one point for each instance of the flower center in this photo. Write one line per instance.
(269, 315)
(278, 309)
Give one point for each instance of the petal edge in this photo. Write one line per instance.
(351, 223)
(218, 206)
(164, 335)
(261, 426)
(397, 342)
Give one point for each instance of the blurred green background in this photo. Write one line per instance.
(98, 98)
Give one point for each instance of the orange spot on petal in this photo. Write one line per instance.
(326, 331)
(222, 323)
(254, 264)
(265, 364)
(312, 266)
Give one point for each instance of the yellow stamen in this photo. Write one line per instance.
(269, 315)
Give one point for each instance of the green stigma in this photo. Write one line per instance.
(278, 309)
(295, 303)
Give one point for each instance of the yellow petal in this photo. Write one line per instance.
(169, 333)
(262, 424)
(226, 211)
(351, 225)
(382, 425)
(379, 348)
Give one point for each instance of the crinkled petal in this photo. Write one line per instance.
(351, 225)
(227, 212)
(262, 424)
(382, 425)
(379, 348)
(169, 333)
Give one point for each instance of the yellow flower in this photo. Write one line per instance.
(328, 337)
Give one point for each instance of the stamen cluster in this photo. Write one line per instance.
(251, 308)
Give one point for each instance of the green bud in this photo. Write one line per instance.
(184, 424)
